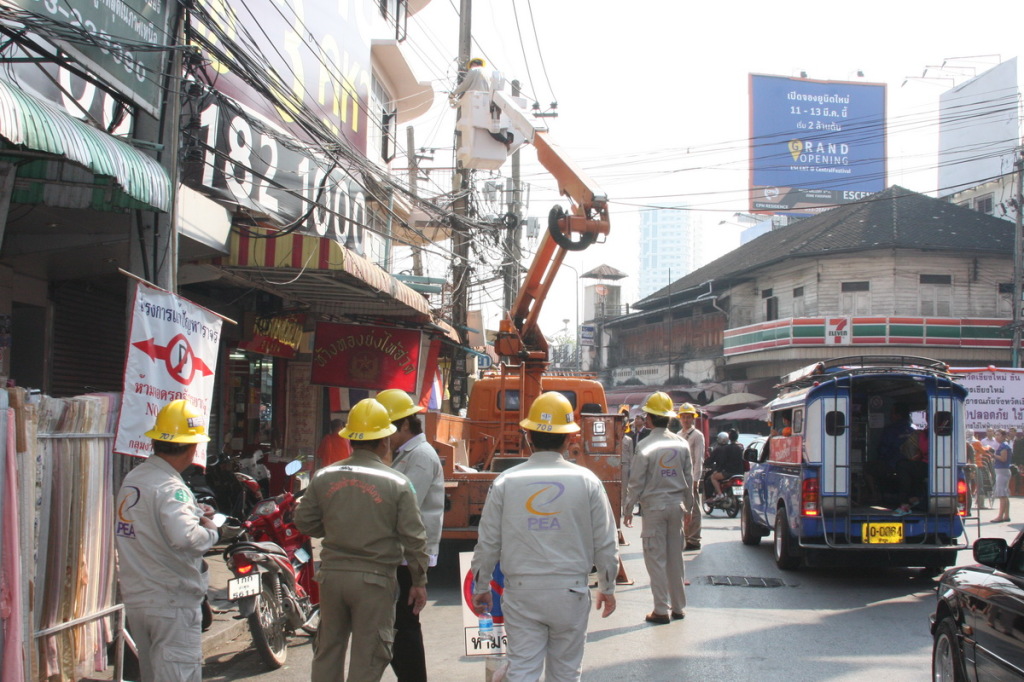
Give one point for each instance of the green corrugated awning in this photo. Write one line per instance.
(124, 177)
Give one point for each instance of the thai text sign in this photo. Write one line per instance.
(276, 335)
(995, 397)
(362, 356)
(114, 26)
(172, 354)
(814, 144)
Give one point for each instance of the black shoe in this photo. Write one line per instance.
(678, 615)
(691, 546)
(657, 618)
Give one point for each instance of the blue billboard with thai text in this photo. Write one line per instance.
(814, 144)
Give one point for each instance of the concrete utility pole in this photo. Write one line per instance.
(513, 236)
(410, 147)
(457, 384)
(1018, 269)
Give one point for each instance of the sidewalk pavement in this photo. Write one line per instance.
(227, 625)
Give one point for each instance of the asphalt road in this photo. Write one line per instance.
(808, 624)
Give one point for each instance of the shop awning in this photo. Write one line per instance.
(119, 176)
(324, 275)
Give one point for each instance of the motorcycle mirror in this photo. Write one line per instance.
(219, 519)
(292, 467)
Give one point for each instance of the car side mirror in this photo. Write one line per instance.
(750, 455)
(992, 552)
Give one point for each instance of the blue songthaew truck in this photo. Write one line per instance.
(865, 466)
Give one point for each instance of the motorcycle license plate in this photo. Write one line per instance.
(245, 586)
(737, 490)
(301, 556)
(882, 533)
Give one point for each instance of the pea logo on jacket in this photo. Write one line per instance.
(539, 505)
(129, 498)
(667, 463)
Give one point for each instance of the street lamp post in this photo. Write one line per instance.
(579, 354)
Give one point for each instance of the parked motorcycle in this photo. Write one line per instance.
(195, 479)
(732, 491)
(273, 584)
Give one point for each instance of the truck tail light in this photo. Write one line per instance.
(810, 500)
(961, 497)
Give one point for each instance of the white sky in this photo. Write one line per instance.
(653, 97)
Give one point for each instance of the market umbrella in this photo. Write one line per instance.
(735, 399)
(760, 414)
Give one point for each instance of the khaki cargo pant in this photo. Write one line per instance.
(360, 606)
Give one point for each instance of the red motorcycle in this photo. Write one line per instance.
(273, 584)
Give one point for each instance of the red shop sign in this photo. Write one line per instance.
(361, 356)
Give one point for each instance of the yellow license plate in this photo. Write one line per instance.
(882, 533)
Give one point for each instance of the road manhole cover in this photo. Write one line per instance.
(744, 581)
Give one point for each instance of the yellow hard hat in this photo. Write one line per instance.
(368, 420)
(476, 61)
(687, 408)
(551, 412)
(399, 403)
(659, 403)
(179, 422)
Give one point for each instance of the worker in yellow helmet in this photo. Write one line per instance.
(415, 457)
(548, 521)
(661, 480)
(162, 535)
(473, 80)
(367, 515)
(695, 439)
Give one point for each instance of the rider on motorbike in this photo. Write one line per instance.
(726, 460)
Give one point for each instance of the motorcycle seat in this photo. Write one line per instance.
(265, 547)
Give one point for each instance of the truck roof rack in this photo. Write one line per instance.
(861, 364)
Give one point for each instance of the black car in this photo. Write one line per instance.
(978, 624)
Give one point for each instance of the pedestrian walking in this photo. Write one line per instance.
(417, 459)
(332, 448)
(628, 448)
(1001, 463)
(661, 479)
(549, 522)
(695, 440)
(161, 535)
(367, 515)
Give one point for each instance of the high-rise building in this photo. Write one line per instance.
(671, 245)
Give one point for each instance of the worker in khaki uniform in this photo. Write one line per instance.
(417, 459)
(549, 522)
(162, 535)
(368, 518)
(661, 479)
(695, 439)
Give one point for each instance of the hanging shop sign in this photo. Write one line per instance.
(114, 27)
(363, 356)
(172, 354)
(276, 335)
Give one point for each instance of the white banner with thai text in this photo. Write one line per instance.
(995, 397)
(172, 355)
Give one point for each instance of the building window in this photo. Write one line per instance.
(855, 298)
(383, 122)
(1004, 299)
(983, 204)
(936, 295)
(766, 293)
(799, 307)
(771, 308)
